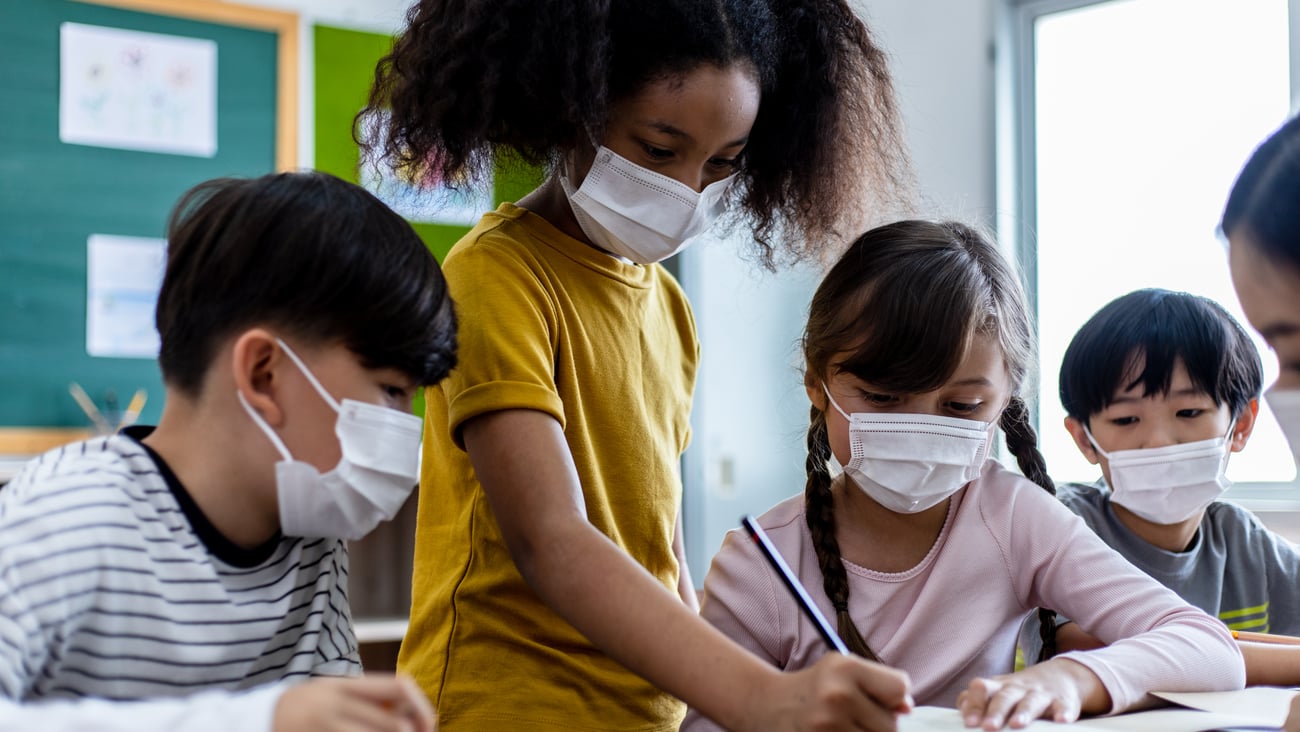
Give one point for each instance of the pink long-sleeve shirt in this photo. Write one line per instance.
(1006, 548)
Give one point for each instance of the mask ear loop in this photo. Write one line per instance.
(266, 428)
(1227, 445)
(310, 376)
(831, 399)
(1093, 440)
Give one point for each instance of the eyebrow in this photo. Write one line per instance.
(673, 131)
(976, 381)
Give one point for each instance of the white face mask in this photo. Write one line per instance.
(1168, 485)
(910, 462)
(639, 214)
(376, 473)
(1285, 404)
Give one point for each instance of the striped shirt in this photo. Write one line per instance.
(114, 585)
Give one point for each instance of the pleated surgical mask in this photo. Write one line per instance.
(377, 470)
(910, 462)
(639, 214)
(1168, 485)
(1285, 405)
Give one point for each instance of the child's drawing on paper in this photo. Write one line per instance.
(139, 91)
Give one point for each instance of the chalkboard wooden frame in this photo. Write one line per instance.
(23, 438)
(283, 23)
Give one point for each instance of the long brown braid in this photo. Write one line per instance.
(1022, 442)
(899, 310)
(820, 515)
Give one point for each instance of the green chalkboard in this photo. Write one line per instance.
(53, 196)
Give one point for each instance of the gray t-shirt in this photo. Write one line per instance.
(1235, 569)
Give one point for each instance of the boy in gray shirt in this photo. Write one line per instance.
(1160, 388)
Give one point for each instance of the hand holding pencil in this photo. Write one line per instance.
(840, 684)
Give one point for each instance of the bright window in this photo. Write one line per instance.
(1143, 112)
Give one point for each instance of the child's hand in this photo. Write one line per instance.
(837, 693)
(1058, 690)
(372, 703)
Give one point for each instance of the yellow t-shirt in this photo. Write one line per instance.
(609, 349)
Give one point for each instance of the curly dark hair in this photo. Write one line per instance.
(470, 83)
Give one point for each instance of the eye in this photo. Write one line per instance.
(1190, 413)
(655, 152)
(1124, 421)
(964, 407)
(879, 400)
(727, 164)
(397, 393)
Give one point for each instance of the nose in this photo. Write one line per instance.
(690, 176)
(1159, 437)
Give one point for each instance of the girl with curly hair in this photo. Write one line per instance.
(550, 588)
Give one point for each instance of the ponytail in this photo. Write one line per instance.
(820, 514)
(1022, 441)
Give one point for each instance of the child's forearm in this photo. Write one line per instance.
(1269, 664)
(527, 473)
(1070, 637)
(623, 610)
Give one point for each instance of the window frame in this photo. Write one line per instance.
(1017, 184)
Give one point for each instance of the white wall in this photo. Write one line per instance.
(384, 16)
(751, 412)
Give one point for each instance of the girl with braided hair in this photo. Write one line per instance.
(927, 553)
(550, 590)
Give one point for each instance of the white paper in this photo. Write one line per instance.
(1172, 720)
(1268, 705)
(942, 719)
(123, 275)
(427, 200)
(139, 91)
(1258, 708)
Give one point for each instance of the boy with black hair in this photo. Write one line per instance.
(1160, 388)
(297, 315)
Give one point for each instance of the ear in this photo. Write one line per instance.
(1081, 441)
(1245, 426)
(253, 361)
(813, 387)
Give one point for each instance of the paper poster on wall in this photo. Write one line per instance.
(426, 200)
(123, 275)
(138, 91)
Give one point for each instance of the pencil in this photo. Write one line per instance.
(792, 583)
(88, 406)
(1284, 640)
(133, 409)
